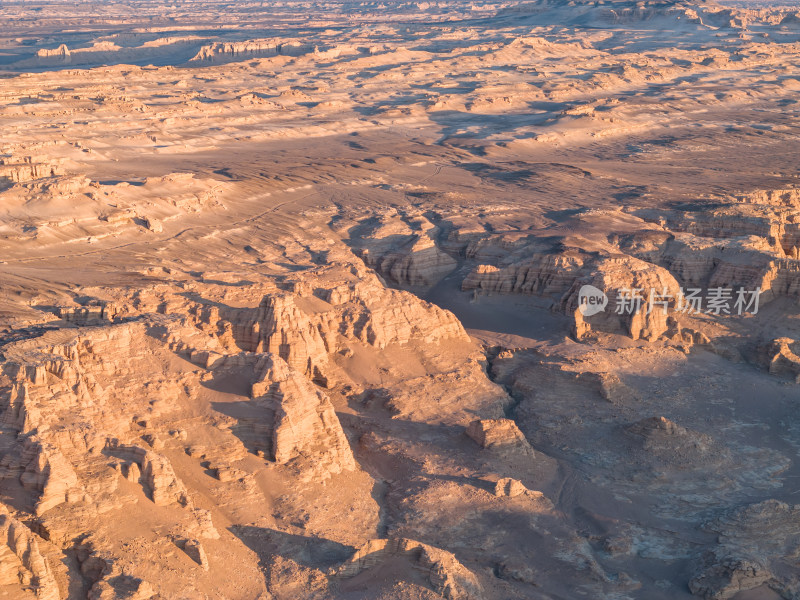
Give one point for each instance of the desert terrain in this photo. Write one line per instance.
(293, 300)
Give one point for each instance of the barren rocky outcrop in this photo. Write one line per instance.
(417, 300)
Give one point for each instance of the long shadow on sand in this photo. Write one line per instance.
(309, 551)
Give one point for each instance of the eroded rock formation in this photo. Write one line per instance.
(491, 433)
(22, 562)
(755, 543)
(447, 577)
(305, 425)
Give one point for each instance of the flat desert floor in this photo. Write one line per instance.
(392, 300)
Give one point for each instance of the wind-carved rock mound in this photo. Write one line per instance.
(507, 487)
(21, 561)
(20, 169)
(619, 13)
(165, 487)
(61, 52)
(304, 325)
(781, 358)
(117, 586)
(542, 273)
(289, 342)
(750, 241)
(67, 419)
(237, 49)
(91, 313)
(305, 427)
(446, 575)
(779, 197)
(623, 278)
(226, 51)
(402, 246)
(496, 433)
(45, 206)
(298, 336)
(559, 272)
(758, 545)
(48, 473)
(667, 444)
(418, 262)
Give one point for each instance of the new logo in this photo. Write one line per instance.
(591, 300)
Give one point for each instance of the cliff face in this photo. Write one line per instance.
(22, 561)
(447, 576)
(623, 278)
(403, 246)
(304, 326)
(747, 241)
(304, 426)
(745, 558)
(28, 170)
(544, 274)
(227, 51)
